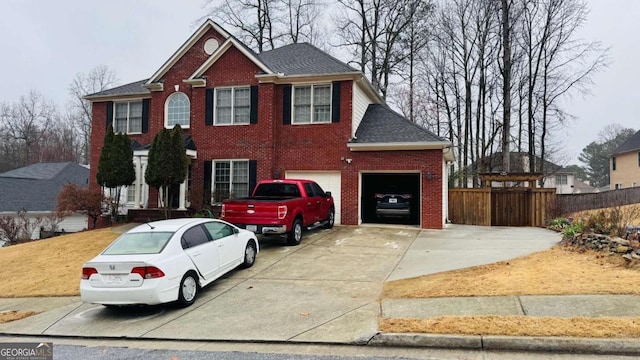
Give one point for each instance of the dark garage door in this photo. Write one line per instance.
(383, 183)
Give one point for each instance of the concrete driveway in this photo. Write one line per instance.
(325, 290)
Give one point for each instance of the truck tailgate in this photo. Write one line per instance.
(255, 211)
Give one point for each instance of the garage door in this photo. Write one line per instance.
(387, 186)
(328, 181)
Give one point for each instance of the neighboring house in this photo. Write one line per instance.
(292, 112)
(580, 187)
(624, 169)
(35, 189)
(554, 176)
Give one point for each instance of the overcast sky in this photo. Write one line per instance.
(44, 44)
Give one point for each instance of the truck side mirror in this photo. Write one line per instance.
(327, 194)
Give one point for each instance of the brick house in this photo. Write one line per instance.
(624, 166)
(292, 112)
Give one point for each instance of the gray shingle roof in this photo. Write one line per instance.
(380, 124)
(127, 89)
(189, 144)
(517, 163)
(36, 187)
(632, 144)
(303, 59)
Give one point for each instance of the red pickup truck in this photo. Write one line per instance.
(282, 207)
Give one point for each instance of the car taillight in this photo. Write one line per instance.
(282, 211)
(87, 272)
(148, 272)
(407, 196)
(379, 196)
(222, 212)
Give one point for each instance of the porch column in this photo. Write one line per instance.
(138, 184)
(183, 196)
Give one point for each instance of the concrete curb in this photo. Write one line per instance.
(599, 346)
(427, 340)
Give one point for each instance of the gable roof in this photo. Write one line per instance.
(36, 187)
(518, 162)
(632, 144)
(303, 59)
(384, 129)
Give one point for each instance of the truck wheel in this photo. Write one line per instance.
(295, 235)
(331, 218)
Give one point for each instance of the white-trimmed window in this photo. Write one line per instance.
(131, 193)
(231, 179)
(232, 105)
(127, 117)
(561, 180)
(312, 104)
(177, 110)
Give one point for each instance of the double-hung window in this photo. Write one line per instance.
(312, 104)
(232, 105)
(231, 179)
(127, 117)
(561, 180)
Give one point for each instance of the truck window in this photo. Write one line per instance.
(277, 190)
(309, 190)
(317, 190)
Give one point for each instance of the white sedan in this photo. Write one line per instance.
(166, 261)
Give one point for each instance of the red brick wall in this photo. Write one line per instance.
(276, 147)
(395, 161)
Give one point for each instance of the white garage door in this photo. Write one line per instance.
(328, 181)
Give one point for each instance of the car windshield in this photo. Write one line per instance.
(138, 243)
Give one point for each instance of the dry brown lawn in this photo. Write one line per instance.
(50, 267)
(558, 271)
(13, 315)
(517, 326)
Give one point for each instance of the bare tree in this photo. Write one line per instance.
(252, 20)
(79, 113)
(374, 30)
(506, 85)
(25, 123)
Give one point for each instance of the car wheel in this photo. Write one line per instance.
(249, 255)
(295, 235)
(330, 219)
(188, 290)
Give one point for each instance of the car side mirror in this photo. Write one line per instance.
(235, 230)
(327, 194)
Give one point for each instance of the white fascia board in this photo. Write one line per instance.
(368, 89)
(432, 145)
(185, 47)
(111, 97)
(142, 153)
(218, 54)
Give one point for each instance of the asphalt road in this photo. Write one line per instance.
(288, 352)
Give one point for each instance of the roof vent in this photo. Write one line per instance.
(210, 46)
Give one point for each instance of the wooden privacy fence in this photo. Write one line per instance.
(501, 206)
(577, 202)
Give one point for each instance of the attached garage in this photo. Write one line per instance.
(328, 181)
(396, 187)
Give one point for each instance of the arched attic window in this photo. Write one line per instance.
(177, 110)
